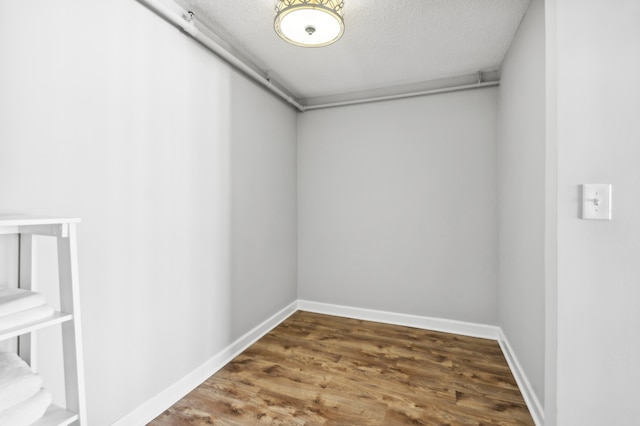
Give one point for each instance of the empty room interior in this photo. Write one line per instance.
(430, 169)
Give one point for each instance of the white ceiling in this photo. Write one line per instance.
(388, 45)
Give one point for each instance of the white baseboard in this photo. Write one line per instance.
(448, 326)
(165, 399)
(427, 323)
(158, 404)
(529, 395)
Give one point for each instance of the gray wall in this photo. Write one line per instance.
(598, 141)
(521, 196)
(397, 206)
(182, 171)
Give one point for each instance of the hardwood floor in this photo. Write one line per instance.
(316, 369)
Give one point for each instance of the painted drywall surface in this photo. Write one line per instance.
(521, 196)
(598, 99)
(551, 218)
(264, 206)
(109, 113)
(397, 206)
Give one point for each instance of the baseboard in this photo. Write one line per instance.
(448, 326)
(159, 403)
(436, 324)
(529, 395)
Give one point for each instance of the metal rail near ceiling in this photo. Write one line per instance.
(403, 95)
(186, 21)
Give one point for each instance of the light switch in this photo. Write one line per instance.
(596, 201)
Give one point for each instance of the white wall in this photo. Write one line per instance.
(397, 206)
(263, 205)
(521, 196)
(182, 171)
(598, 289)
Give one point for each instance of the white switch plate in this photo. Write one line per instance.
(596, 201)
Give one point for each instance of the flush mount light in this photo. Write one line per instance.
(309, 23)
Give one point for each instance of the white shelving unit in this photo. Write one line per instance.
(64, 230)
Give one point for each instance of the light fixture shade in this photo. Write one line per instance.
(309, 23)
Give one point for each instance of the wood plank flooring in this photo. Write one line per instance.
(323, 370)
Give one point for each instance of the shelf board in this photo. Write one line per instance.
(56, 416)
(55, 318)
(36, 225)
(24, 220)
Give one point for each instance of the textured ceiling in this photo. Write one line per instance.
(386, 44)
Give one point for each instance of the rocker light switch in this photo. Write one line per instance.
(596, 201)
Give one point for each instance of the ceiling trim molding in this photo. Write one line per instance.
(189, 24)
(404, 95)
(186, 21)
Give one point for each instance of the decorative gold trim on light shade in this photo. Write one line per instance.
(309, 23)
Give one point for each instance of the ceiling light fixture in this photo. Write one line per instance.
(309, 23)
